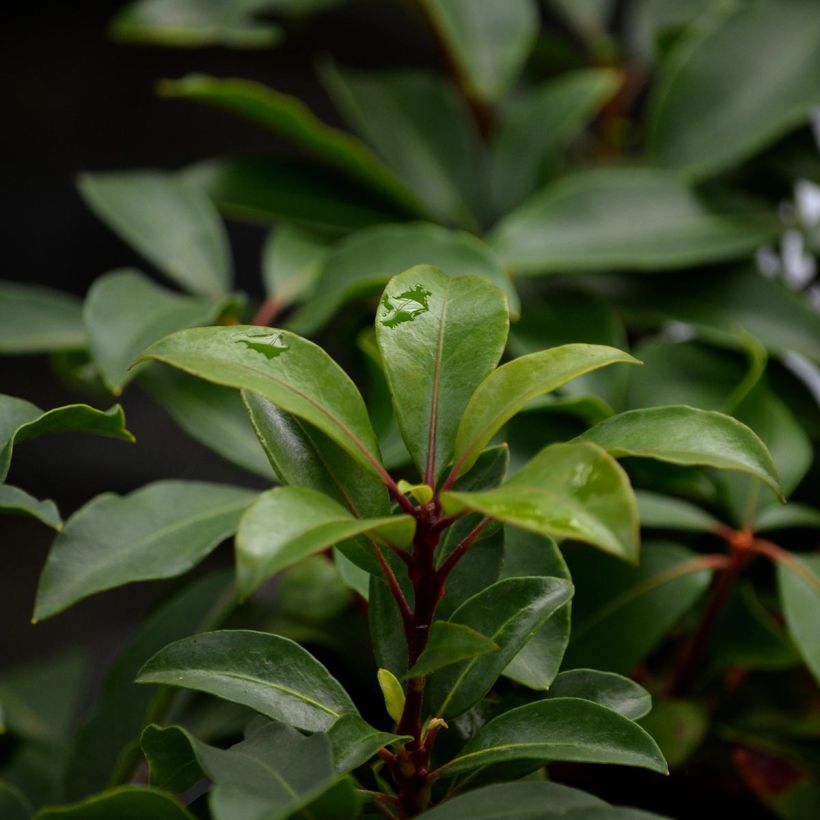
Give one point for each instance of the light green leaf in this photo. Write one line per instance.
(14, 501)
(287, 524)
(615, 692)
(125, 312)
(290, 119)
(512, 386)
(35, 319)
(573, 490)
(292, 260)
(363, 263)
(267, 673)
(623, 219)
(354, 742)
(21, 420)
(507, 613)
(488, 41)
(170, 223)
(688, 436)
(717, 102)
(535, 128)
(392, 692)
(798, 579)
(439, 338)
(559, 729)
(449, 643)
(667, 513)
(158, 531)
(124, 803)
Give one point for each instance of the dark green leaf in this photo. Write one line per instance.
(34, 319)
(792, 515)
(171, 758)
(559, 729)
(14, 501)
(171, 223)
(623, 219)
(292, 260)
(13, 804)
(439, 338)
(386, 628)
(269, 674)
(679, 727)
(124, 803)
(354, 742)
(667, 513)
(798, 579)
(615, 692)
(449, 643)
(158, 531)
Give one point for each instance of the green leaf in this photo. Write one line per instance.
(573, 490)
(293, 373)
(363, 263)
(688, 436)
(449, 643)
(507, 613)
(798, 580)
(158, 531)
(267, 673)
(124, 803)
(513, 385)
(292, 260)
(615, 692)
(287, 524)
(125, 312)
(703, 117)
(419, 126)
(171, 224)
(14, 501)
(536, 127)
(621, 613)
(679, 727)
(559, 729)
(171, 758)
(354, 742)
(13, 804)
(21, 420)
(623, 219)
(667, 513)
(210, 414)
(290, 119)
(392, 692)
(439, 338)
(488, 41)
(34, 319)
(792, 515)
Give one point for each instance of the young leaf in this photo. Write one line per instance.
(559, 729)
(798, 580)
(267, 673)
(14, 501)
(667, 513)
(34, 319)
(287, 524)
(439, 338)
(292, 260)
(506, 613)
(686, 435)
(158, 531)
(172, 224)
(449, 643)
(392, 692)
(513, 385)
(615, 692)
(125, 312)
(289, 118)
(293, 373)
(623, 219)
(354, 742)
(21, 420)
(124, 803)
(573, 490)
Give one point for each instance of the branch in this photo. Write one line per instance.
(763, 547)
(395, 587)
(460, 551)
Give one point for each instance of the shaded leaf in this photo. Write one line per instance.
(35, 319)
(449, 643)
(124, 803)
(667, 513)
(292, 260)
(679, 727)
(13, 804)
(798, 579)
(792, 515)
(14, 501)
(615, 692)
(354, 742)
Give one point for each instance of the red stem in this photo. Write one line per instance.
(267, 313)
(459, 552)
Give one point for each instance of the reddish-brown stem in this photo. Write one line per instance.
(763, 547)
(459, 552)
(395, 587)
(267, 313)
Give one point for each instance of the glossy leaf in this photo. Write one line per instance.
(293, 373)
(508, 389)
(363, 263)
(267, 673)
(573, 490)
(623, 219)
(170, 223)
(290, 119)
(34, 319)
(559, 729)
(488, 41)
(21, 420)
(798, 580)
(14, 501)
(439, 338)
(615, 692)
(704, 119)
(158, 531)
(688, 436)
(354, 742)
(507, 613)
(621, 613)
(667, 513)
(125, 312)
(124, 803)
(292, 260)
(287, 524)
(449, 643)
